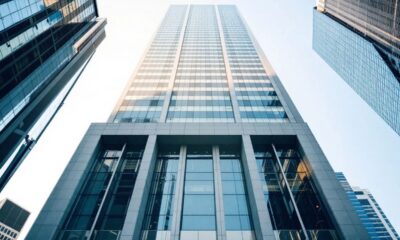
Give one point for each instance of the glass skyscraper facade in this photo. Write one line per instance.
(349, 37)
(44, 46)
(216, 149)
(371, 215)
(378, 20)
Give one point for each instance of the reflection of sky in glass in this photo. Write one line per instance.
(350, 134)
(29, 34)
(32, 83)
(10, 14)
(358, 62)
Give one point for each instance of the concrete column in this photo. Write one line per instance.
(259, 212)
(219, 200)
(110, 183)
(178, 206)
(332, 194)
(137, 206)
(59, 203)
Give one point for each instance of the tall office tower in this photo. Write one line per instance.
(360, 41)
(371, 215)
(44, 46)
(12, 219)
(378, 21)
(204, 143)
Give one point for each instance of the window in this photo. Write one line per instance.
(236, 210)
(198, 201)
(159, 210)
(94, 192)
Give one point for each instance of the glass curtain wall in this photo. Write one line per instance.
(197, 217)
(146, 94)
(238, 224)
(36, 39)
(294, 206)
(112, 217)
(100, 210)
(201, 92)
(159, 210)
(256, 96)
(198, 196)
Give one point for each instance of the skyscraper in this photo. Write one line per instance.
(204, 143)
(44, 46)
(360, 41)
(372, 216)
(12, 219)
(378, 21)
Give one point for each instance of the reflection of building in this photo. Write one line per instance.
(378, 21)
(12, 219)
(360, 42)
(204, 143)
(44, 46)
(371, 215)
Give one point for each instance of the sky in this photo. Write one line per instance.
(353, 137)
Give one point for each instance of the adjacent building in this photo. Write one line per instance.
(378, 21)
(204, 143)
(12, 219)
(371, 215)
(360, 41)
(44, 46)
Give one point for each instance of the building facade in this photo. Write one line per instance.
(204, 143)
(359, 41)
(371, 215)
(376, 20)
(44, 46)
(12, 219)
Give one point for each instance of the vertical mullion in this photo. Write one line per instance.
(106, 193)
(290, 192)
(178, 206)
(137, 204)
(219, 200)
(259, 212)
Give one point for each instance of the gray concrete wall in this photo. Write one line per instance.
(64, 193)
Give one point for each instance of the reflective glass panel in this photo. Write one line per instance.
(237, 216)
(198, 201)
(160, 206)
